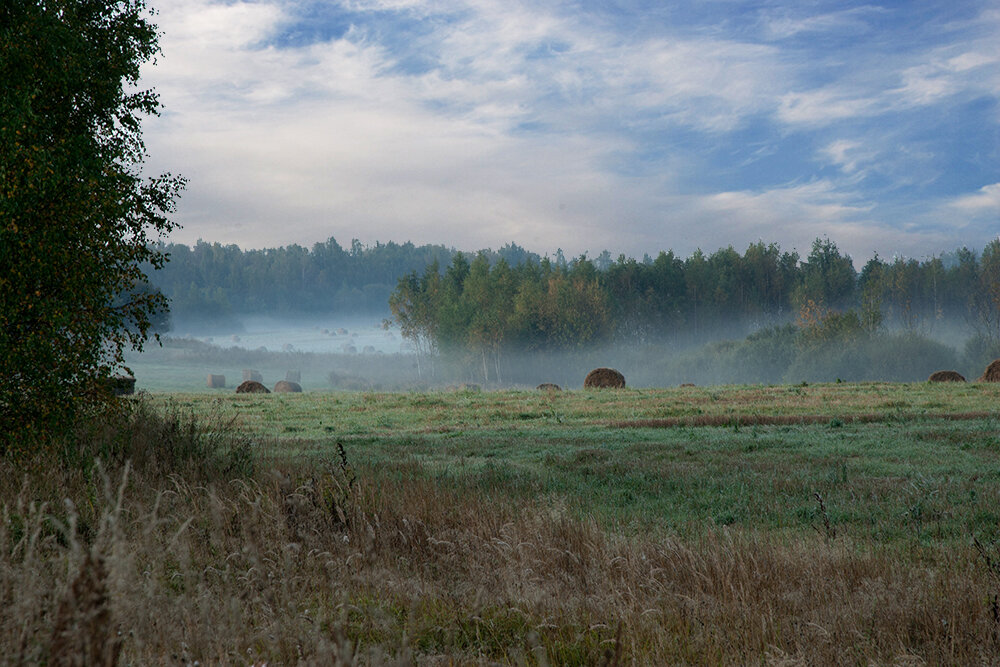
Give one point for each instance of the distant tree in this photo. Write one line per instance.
(870, 284)
(415, 304)
(986, 296)
(828, 278)
(77, 220)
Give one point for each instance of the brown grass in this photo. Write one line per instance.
(270, 570)
(318, 563)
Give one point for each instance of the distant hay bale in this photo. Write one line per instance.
(216, 381)
(946, 376)
(250, 375)
(252, 387)
(286, 387)
(992, 372)
(604, 378)
(687, 384)
(548, 386)
(293, 376)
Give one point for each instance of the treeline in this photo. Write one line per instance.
(485, 309)
(210, 282)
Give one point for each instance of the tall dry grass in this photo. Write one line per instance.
(313, 562)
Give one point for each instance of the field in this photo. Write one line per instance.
(808, 524)
(905, 465)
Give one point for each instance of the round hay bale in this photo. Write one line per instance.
(287, 387)
(252, 387)
(992, 372)
(946, 376)
(604, 378)
(548, 386)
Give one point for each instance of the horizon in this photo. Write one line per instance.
(591, 255)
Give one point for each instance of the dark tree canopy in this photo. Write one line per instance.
(78, 221)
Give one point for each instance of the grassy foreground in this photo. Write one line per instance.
(826, 524)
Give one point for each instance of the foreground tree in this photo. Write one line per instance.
(77, 219)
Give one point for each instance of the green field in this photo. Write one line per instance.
(895, 464)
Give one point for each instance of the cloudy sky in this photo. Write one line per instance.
(630, 125)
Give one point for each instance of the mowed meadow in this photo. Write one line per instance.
(810, 524)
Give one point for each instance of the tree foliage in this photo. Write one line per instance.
(486, 309)
(77, 218)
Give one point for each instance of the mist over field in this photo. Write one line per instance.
(400, 316)
(358, 354)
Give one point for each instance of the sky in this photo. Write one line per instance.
(628, 125)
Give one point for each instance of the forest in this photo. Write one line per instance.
(814, 317)
(212, 284)
(765, 314)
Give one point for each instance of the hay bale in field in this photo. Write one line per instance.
(216, 381)
(252, 387)
(293, 376)
(946, 376)
(286, 387)
(604, 378)
(687, 384)
(992, 372)
(122, 385)
(548, 386)
(250, 375)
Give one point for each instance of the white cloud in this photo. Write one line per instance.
(900, 83)
(298, 143)
(986, 200)
(783, 24)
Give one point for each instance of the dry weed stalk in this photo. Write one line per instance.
(84, 633)
(267, 570)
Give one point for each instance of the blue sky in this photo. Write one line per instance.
(632, 126)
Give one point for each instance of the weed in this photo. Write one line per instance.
(829, 531)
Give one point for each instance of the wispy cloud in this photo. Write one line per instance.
(477, 122)
(984, 201)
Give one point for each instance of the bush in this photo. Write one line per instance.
(161, 443)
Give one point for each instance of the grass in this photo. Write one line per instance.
(908, 475)
(517, 528)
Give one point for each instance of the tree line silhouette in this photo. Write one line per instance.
(487, 303)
